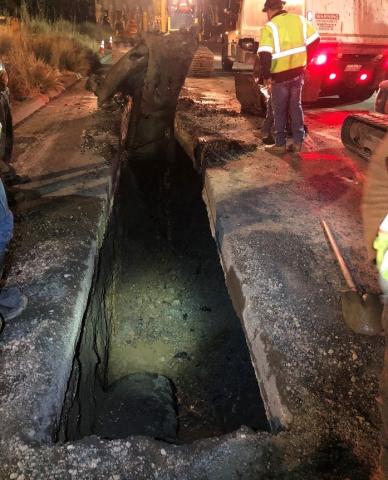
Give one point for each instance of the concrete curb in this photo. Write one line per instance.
(29, 107)
(106, 58)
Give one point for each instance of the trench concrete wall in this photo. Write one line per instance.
(90, 361)
(61, 216)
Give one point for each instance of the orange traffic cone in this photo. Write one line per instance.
(102, 48)
(110, 44)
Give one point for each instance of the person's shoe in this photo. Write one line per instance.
(261, 134)
(295, 147)
(268, 140)
(276, 149)
(12, 303)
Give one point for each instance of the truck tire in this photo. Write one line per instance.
(226, 61)
(6, 136)
(227, 64)
(356, 95)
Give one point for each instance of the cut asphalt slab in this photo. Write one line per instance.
(316, 376)
(318, 380)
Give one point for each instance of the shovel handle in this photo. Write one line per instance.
(340, 259)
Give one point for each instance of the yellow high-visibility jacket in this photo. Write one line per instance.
(286, 37)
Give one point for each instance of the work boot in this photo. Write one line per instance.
(268, 140)
(295, 147)
(276, 149)
(12, 303)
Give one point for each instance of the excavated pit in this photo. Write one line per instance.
(162, 352)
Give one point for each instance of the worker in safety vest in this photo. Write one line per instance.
(286, 42)
(12, 301)
(375, 223)
(184, 6)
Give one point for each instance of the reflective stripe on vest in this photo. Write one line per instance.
(265, 49)
(275, 35)
(287, 53)
(312, 38)
(304, 24)
(384, 224)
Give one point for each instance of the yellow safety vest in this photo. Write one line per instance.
(286, 37)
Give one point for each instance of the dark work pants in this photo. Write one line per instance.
(287, 101)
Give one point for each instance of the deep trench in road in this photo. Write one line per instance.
(162, 352)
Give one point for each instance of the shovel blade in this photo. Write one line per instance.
(362, 314)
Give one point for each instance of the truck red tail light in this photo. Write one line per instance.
(320, 59)
(364, 77)
(332, 76)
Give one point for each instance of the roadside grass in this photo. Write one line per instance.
(37, 54)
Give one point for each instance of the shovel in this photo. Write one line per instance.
(361, 312)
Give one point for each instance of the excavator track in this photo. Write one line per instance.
(362, 133)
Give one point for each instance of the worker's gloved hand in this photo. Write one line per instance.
(268, 84)
(3, 78)
(381, 246)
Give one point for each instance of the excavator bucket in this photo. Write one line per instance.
(126, 75)
(248, 94)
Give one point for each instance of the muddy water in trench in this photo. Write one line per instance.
(172, 314)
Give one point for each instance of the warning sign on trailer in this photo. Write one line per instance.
(326, 21)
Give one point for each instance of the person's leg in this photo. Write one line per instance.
(296, 111)
(280, 100)
(12, 301)
(6, 225)
(268, 125)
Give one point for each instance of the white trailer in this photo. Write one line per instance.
(352, 58)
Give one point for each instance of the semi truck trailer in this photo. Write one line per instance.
(352, 58)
